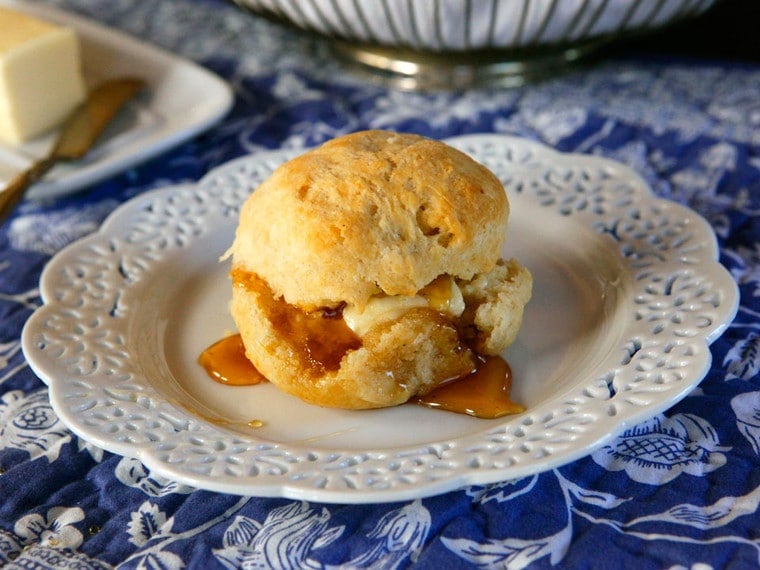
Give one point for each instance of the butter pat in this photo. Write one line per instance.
(442, 295)
(40, 76)
(379, 310)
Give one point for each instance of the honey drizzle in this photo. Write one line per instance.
(320, 338)
(482, 393)
(225, 361)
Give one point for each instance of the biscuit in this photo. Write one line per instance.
(401, 233)
(369, 213)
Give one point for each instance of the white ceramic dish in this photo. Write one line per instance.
(628, 295)
(182, 99)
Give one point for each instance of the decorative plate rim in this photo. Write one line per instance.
(78, 341)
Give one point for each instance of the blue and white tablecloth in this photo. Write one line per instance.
(686, 496)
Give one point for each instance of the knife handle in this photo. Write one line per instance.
(17, 187)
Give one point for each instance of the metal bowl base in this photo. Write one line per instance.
(415, 70)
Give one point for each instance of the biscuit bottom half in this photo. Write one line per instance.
(315, 356)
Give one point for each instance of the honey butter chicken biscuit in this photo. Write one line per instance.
(368, 270)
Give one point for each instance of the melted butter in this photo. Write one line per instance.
(442, 294)
(379, 310)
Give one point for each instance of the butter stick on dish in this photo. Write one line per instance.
(40, 76)
(368, 271)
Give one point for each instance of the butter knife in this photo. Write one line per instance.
(78, 135)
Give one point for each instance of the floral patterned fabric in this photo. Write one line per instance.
(680, 490)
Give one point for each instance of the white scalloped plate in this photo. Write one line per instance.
(628, 296)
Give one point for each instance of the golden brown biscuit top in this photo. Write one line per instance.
(369, 213)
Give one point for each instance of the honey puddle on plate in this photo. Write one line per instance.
(225, 362)
(483, 393)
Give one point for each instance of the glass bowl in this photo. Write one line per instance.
(461, 43)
